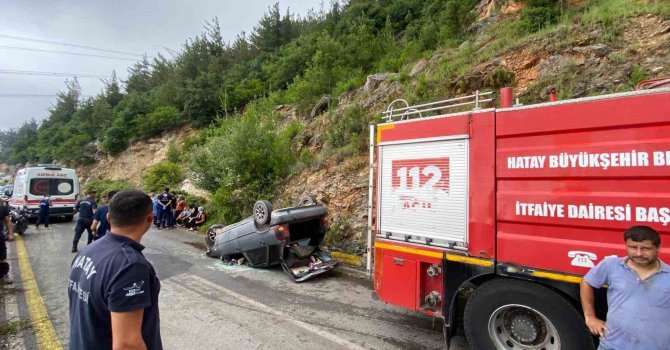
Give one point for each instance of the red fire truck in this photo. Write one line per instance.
(489, 218)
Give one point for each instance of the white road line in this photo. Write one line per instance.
(184, 279)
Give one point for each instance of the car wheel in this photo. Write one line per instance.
(210, 235)
(262, 212)
(510, 314)
(68, 218)
(307, 200)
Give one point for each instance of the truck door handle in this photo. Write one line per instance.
(399, 261)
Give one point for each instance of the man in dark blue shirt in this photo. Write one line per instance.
(113, 289)
(86, 208)
(100, 225)
(43, 218)
(164, 208)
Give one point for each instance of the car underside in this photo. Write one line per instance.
(290, 237)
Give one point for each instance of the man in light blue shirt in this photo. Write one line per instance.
(638, 295)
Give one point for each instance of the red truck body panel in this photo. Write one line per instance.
(551, 188)
(600, 167)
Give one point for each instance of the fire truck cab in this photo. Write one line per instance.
(489, 218)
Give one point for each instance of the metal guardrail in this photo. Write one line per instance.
(409, 112)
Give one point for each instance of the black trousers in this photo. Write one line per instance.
(4, 265)
(83, 224)
(43, 219)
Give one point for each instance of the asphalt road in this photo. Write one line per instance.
(205, 304)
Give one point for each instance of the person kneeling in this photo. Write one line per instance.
(196, 221)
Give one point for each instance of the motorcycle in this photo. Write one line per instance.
(19, 222)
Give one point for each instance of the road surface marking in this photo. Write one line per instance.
(44, 330)
(183, 279)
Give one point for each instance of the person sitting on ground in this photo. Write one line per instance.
(179, 207)
(198, 220)
(185, 214)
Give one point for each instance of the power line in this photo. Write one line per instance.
(67, 44)
(66, 53)
(36, 95)
(51, 74)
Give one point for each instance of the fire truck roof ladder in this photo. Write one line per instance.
(409, 112)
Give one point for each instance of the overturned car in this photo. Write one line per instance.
(289, 236)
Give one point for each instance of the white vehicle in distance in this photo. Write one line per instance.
(33, 182)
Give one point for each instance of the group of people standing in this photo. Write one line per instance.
(170, 211)
(91, 219)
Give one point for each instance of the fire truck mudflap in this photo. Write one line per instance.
(489, 218)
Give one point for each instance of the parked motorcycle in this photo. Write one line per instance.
(19, 222)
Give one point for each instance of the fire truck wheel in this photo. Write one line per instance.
(68, 218)
(513, 314)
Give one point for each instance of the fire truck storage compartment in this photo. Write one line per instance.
(424, 191)
(400, 288)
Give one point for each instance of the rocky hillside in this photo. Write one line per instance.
(579, 58)
(134, 162)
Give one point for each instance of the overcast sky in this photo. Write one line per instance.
(137, 26)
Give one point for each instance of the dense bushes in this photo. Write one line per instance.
(162, 118)
(242, 162)
(344, 128)
(538, 14)
(162, 174)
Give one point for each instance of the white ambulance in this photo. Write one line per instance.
(32, 183)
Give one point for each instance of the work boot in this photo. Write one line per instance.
(5, 280)
(74, 248)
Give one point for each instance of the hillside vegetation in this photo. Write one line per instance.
(251, 97)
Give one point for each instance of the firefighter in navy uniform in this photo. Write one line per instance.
(113, 289)
(86, 208)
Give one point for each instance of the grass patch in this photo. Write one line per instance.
(13, 327)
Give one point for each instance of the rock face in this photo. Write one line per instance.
(342, 187)
(321, 106)
(373, 81)
(418, 67)
(134, 161)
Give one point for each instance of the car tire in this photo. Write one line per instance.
(68, 218)
(210, 235)
(307, 200)
(262, 212)
(549, 320)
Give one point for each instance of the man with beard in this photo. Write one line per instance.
(638, 295)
